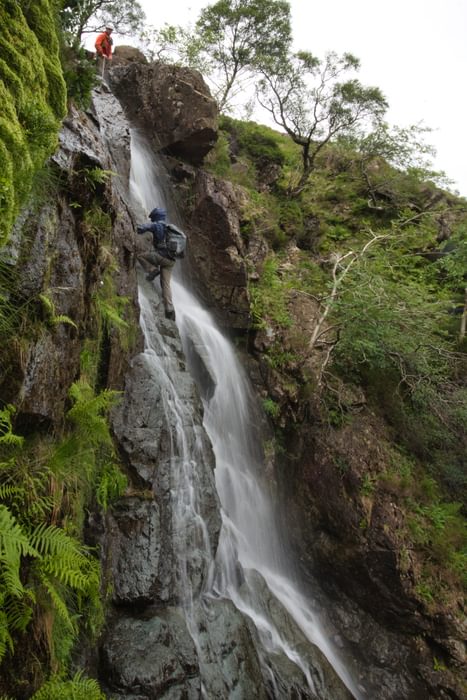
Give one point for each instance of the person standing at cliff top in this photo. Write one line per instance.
(103, 47)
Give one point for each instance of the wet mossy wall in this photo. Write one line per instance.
(32, 99)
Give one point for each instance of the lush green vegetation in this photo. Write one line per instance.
(49, 580)
(51, 592)
(356, 227)
(32, 93)
(379, 255)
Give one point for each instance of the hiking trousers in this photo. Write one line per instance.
(166, 265)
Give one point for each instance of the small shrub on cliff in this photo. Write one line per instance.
(271, 408)
(439, 529)
(257, 141)
(79, 72)
(218, 160)
(269, 297)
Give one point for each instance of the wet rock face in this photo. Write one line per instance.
(151, 657)
(173, 106)
(133, 552)
(48, 367)
(146, 435)
(155, 553)
(217, 252)
(59, 265)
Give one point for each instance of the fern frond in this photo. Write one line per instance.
(48, 304)
(7, 436)
(6, 642)
(8, 490)
(40, 507)
(111, 484)
(89, 412)
(8, 466)
(63, 318)
(67, 570)
(78, 688)
(58, 603)
(52, 540)
(64, 558)
(19, 611)
(14, 543)
(52, 316)
(111, 315)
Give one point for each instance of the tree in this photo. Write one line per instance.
(306, 97)
(86, 16)
(230, 41)
(394, 163)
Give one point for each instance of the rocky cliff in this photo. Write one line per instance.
(353, 538)
(67, 250)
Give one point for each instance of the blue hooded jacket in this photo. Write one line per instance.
(157, 228)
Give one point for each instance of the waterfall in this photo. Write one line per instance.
(252, 568)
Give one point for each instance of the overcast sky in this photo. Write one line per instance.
(414, 50)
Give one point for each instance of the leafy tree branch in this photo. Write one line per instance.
(307, 97)
(87, 16)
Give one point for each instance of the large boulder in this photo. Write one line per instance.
(171, 104)
(123, 55)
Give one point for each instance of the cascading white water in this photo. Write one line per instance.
(250, 549)
(189, 531)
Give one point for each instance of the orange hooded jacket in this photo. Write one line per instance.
(104, 45)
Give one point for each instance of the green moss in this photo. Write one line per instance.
(56, 96)
(10, 83)
(33, 98)
(6, 179)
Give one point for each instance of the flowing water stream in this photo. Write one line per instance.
(251, 567)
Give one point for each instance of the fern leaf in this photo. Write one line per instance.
(19, 611)
(62, 318)
(8, 466)
(14, 542)
(8, 490)
(89, 412)
(111, 485)
(6, 642)
(54, 318)
(78, 688)
(58, 603)
(67, 571)
(52, 540)
(48, 304)
(7, 437)
(64, 558)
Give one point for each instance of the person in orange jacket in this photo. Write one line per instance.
(104, 43)
(103, 49)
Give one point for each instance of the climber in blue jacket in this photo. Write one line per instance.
(161, 261)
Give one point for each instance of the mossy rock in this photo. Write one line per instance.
(33, 98)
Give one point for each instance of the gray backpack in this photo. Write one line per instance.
(175, 241)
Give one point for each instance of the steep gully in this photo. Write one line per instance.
(204, 592)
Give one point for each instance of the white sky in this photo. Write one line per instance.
(415, 51)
